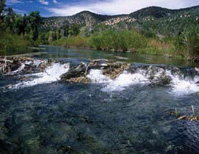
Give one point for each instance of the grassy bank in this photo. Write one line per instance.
(15, 43)
(75, 41)
(124, 41)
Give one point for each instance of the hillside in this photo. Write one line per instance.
(84, 18)
(156, 15)
(152, 21)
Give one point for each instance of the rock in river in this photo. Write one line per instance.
(25, 65)
(79, 73)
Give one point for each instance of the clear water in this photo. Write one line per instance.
(55, 117)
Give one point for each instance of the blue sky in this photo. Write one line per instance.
(109, 7)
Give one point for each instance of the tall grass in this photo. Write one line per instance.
(13, 43)
(158, 47)
(122, 40)
(75, 41)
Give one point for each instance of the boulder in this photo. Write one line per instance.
(115, 69)
(79, 73)
(25, 65)
(75, 73)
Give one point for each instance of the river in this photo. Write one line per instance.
(126, 115)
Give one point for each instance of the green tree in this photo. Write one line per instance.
(2, 6)
(18, 25)
(189, 41)
(73, 30)
(34, 20)
(9, 19)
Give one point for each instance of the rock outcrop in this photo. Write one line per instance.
(16, 65)
(79, 73)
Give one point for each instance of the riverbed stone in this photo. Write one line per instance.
(9, 65)
(78, 74)
(113, 71)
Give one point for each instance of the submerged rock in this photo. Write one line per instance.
(191, 118)
(161, 80)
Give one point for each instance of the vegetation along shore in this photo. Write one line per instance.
(152, 30)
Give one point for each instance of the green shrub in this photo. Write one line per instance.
(122, 40)
(75, 41)
(11, 43)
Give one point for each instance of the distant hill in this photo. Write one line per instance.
(85, 18)
(156, 12)
(165, 19)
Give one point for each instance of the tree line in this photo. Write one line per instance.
(29, 28)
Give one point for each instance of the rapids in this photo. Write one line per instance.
(137, 112)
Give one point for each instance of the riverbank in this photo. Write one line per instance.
(13, 42)
(126, 41)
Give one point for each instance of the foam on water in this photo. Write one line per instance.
(124, 80)
(178, 86)
(96, 76)
(183, 86)
(51, 74)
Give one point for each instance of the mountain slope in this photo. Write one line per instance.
(156, 12)
(84, 18)
(149, 14)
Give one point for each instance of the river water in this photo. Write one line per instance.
(125, 115)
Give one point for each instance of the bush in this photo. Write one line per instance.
(122, 40)
(9, 42)
(189, 43)
(75, 41)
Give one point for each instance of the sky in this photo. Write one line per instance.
(109, 7)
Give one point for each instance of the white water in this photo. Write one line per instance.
(184, 86)
(51, 74)
(96, 76)
(125, 80)
(178, 86)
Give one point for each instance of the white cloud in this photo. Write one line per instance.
(55, 1)
(22, 12)
(44, 2)
(10, 2)
(113, 7)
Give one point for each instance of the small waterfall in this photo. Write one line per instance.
(97, 76)
(174, 78)
(180, 81)
(184, 86)
(51, 74)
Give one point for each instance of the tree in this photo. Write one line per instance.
(73, 30)
(50, 37)
(189, 40)
(2, 6)
(34, 19)
(18, 25)
(9, 19)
